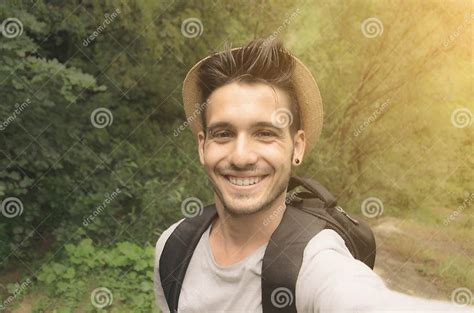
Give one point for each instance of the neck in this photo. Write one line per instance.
(247, 231)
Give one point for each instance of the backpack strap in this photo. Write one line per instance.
(177, 253)
(315, 188)
(283, 258)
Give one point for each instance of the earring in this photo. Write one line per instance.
(297, 161)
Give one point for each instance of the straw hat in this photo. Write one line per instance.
(307, 93)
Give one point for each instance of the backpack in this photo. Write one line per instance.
(306, 214)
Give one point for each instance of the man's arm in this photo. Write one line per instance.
(331, 281)
(159, 293)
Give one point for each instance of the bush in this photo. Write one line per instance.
(89, 277)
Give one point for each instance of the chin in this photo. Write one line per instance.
(243, 209)
(244, 206)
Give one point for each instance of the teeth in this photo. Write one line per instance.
(244, 181)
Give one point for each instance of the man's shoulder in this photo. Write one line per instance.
(327, 255)
(160, 243)
(327, 239)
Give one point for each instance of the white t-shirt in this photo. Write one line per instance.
(330, 280)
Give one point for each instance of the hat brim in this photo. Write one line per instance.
(307, 93)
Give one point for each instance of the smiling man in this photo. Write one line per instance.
(260, 113)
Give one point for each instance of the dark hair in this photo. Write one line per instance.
(261, 60)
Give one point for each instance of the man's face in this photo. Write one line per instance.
(246, 156)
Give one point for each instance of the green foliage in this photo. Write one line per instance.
(35, 93)
(86, 267)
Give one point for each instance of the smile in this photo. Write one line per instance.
(245, 181)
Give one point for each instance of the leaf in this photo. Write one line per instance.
(58, 268)
(131, 250)
(85, 248)
(146, 286)
(70, 273)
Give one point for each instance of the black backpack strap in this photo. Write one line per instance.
(177, 253)
(283, 258)
(314, 187)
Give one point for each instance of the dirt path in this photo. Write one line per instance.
(400, 272)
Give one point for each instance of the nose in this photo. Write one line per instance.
(243, 152)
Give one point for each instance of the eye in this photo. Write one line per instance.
(221, 134)
(265, 133)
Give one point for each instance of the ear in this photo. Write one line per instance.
(201, 142)
(299, 147)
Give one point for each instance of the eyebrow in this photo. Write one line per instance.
(229, 125)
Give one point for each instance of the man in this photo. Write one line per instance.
(260, 113)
